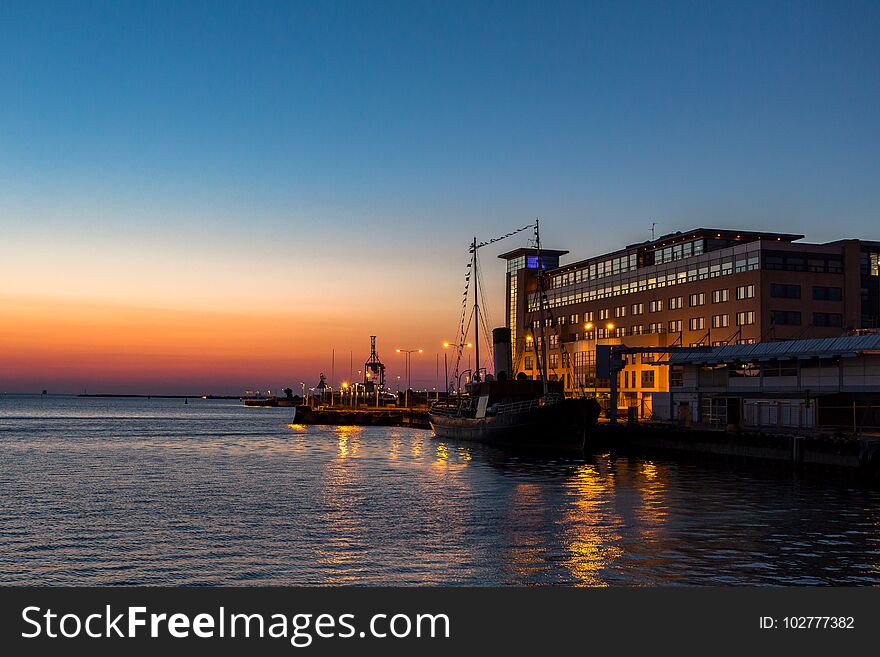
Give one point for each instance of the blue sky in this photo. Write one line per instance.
(483, 110)
(284, 138)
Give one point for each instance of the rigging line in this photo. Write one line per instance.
(459, 349)
(486, 333)
(485, 307)
(502, 237)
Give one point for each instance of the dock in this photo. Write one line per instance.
(809, 449)
(415, 418)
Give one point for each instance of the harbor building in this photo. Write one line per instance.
(792, 384)
(700, 288)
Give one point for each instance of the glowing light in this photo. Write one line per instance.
(589, 326)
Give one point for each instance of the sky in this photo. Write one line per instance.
(206, 197)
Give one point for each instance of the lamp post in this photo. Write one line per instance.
(588, 328)
(409, 353)
(611, 398)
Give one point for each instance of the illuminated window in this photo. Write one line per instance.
(745, 318)
(720, 296)
(745, 292)
(720, 321)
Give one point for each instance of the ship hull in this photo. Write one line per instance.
(563, 425)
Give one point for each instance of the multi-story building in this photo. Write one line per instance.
(702, 287)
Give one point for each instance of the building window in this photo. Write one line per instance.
(655, 327)
(620, 311)
(780, 291)
(720, 321)
(604, 313)
(745, 318)
(676, 376)
(620, 332)
(574, 318)
(698, 299)
(588, 316)
(529, 345)
(720, 296)
(638, 308)
(785, 317)
(697, 323)
(638, 329)
(648, 378)
(553, 341)
(675, 303)
(745, 292)
(656, 306)
(827, 319)
(744, 369)
(529, 362)
(675, 326)
(827, 293)
(553, 360)
(562, 320)
(780, 368)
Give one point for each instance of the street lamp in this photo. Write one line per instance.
(408, 353)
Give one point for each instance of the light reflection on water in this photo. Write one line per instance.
(136, 491)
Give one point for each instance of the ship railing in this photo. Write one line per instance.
(527, 404)
(445, 408)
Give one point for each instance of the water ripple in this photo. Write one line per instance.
(152, 491)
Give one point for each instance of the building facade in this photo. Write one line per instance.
(793, 384)
(704, 287)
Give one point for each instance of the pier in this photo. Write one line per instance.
(416, 417)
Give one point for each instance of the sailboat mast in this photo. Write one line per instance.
(476, 372)
(543, 363)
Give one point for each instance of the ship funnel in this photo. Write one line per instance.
(503, 356)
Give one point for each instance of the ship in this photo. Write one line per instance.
(507, 410)
(258, 399)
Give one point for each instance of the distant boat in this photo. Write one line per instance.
(520, 412)
(258, 399)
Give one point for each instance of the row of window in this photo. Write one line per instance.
(820, 292)
(574, 287)
(815, 262)
(793, 318)
(745, 318)
(631, 379)
(672, 303)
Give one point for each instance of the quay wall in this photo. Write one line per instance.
(819, 450)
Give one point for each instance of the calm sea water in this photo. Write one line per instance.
(152, 491)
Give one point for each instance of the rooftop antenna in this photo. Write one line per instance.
(654, 223)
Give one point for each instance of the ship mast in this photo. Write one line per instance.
(543, 364)
(476, 284)
(476, 372)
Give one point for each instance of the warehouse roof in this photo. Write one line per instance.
(843, 347)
